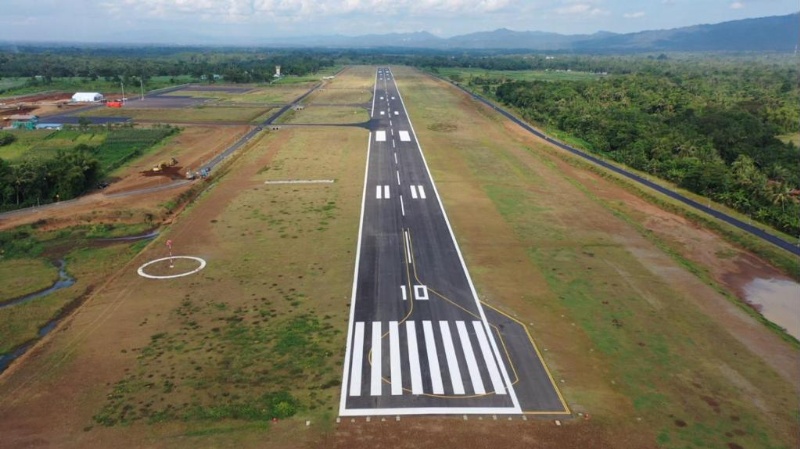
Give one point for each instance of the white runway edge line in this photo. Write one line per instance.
(493, 343)
(350, 327)
(358, 359)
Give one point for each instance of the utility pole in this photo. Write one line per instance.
(123, 91)
(141, 85)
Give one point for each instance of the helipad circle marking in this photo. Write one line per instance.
(172, 276)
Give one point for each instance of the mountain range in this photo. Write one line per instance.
(771, 34)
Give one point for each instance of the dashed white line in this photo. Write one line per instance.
(408, 246)
(395, 156)
(402, 206)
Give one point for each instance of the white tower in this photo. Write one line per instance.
(277, 71)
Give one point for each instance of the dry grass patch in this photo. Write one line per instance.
(326, 115)
(334, 95)
(275, 93)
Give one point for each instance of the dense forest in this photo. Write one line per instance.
(710, 126)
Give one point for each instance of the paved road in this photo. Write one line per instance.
(792, 247)
(418, 340)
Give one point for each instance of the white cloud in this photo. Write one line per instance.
(634, 15)
(581, 9)
(737, 5)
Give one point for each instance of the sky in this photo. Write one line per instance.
(259, 21)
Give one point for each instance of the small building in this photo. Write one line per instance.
(54, 126)
(87, 97)
(23, 121)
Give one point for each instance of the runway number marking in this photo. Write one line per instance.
(421, 292)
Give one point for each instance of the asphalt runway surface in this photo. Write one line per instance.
(419, 341)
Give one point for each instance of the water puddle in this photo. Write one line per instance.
(778, 300)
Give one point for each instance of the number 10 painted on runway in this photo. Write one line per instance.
(420, 292)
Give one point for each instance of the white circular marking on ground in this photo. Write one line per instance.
(171, 276)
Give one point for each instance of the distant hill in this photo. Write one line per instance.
(777, 33)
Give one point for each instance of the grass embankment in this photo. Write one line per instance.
(260, 333)
(634, 347)
(327, 115)
(27, 266)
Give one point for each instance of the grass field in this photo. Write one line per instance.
(24, 276)
(271, 344)
(207, 114)
(9, 83)
(338, 115)
(333, 95)
(654, 355)
(78, 84)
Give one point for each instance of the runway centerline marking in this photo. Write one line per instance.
(402, 206)
(398, 177)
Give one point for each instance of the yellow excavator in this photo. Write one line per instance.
(164, 164)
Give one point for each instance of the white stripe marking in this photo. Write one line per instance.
(396, 113)
(433, 358)
(413, 358)
(398, 177)
(393, 143)
(414, 192)
(472, 364)
(386, 192)
(404, 136)
(395, 155)
(403, 291)
(382, 112)
(380, 136)
(394, 353)
(390, 122)
(408, 248)
(421, 192)
(358, 360)
(377, 363)
(392, 130)
(494, 374)
(402, 206)
(452, 362)
(378, 192)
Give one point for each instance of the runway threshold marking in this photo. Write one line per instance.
(433, 358)
(413, 358)
(394, 357)
(452, 362)
(358, 359)
(376, 362)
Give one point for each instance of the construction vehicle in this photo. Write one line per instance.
(165, 164)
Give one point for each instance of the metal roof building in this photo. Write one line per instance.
(87, 97)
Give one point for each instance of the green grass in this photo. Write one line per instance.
(9, 83)
(75, 84)
(23, 258)
(794, 138)
(25, 276)
(325, 115)
(196, 114)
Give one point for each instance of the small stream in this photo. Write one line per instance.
(64, 281)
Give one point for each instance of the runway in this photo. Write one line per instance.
(418, 340)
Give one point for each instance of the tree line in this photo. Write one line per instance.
(714, 134)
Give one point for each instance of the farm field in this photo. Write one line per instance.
(641, 347)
